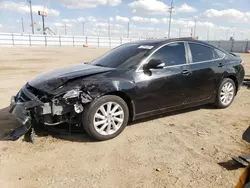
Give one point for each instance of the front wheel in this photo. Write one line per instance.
(106, 117)
(226, 93)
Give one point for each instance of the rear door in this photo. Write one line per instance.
(207, 65)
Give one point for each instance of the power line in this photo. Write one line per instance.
(31, 16)
(170, 18)
(83, 28)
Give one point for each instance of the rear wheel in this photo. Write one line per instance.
(106, 117)
(226, 93)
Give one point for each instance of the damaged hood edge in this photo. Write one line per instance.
(53, 79)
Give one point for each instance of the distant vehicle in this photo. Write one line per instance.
(132, 81)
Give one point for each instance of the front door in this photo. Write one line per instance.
(166, 87)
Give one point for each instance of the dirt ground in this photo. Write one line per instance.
(181, 149)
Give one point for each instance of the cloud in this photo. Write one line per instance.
(121, 19)
(61, 24)
(156, 7)
(82, 4)
(145, 20)
(183, 23)
(218, 4)
(185, 8)
(227, 15)
(114, 2)
(24, 8)
(90, 19)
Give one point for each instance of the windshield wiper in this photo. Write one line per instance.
(100, 65)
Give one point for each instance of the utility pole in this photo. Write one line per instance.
(83, 29)
(108, 28)
(31, 16)
(98, 30)
(170, 18)
(227, 32)
(43, 14)
(195, 21)
(22, 25)
(43, 25)
(191, 32)
(65, 29)
(128, 30)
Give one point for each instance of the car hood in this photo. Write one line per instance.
(53, 79)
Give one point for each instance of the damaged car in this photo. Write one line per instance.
(133, 81)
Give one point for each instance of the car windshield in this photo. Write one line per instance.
(125, 56)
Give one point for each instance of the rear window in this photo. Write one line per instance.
(204, 53)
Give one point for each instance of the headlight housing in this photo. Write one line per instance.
(74, 93)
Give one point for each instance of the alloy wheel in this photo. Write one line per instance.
(227, 93)
(108, 118)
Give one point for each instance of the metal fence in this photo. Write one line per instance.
(232, 46)
(17, 39)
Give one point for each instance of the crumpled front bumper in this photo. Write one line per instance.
(18, 110)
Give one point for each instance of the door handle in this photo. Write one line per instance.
(186, 72)
(220, 64)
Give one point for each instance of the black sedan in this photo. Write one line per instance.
(132, 81)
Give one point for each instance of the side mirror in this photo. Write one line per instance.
(154, 64)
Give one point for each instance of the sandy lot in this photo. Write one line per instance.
(180, 149)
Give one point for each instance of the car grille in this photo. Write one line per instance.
(39, 94)
(21, 97)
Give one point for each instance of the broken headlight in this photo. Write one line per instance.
(72, 94)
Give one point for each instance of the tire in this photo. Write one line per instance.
(91, 114)
(227, 101)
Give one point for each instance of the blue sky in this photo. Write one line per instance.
(215, 19)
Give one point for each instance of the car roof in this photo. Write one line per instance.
(159, 42)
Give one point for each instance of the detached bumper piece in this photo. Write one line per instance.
(246, 82)
(20, 108)
(242, 159)
(22, 115)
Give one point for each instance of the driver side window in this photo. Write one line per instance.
(172, 54)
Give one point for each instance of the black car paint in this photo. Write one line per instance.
(147, 92)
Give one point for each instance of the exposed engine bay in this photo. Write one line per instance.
(31, 106)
